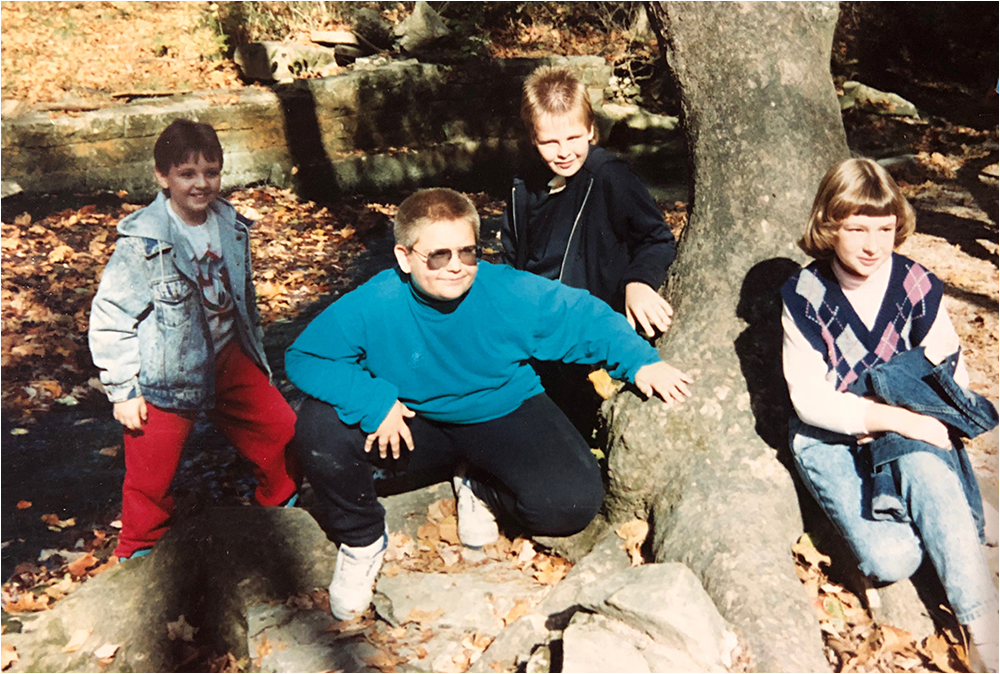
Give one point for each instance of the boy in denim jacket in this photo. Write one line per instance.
(174, 330)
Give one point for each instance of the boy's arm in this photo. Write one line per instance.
(325, 363)
(638, 220)
(122, 300)
(573, 326)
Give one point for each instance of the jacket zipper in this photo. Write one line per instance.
(569, 241)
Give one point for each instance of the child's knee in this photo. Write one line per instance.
(562, 514)
(895, 561)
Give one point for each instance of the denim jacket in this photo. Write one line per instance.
(911, 381)
(149, 335)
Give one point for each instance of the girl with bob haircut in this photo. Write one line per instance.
(577, 214)
(855, 186)
(881, 400)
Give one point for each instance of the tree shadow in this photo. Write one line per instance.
(315, 178)
(965, 233)
(758, 348)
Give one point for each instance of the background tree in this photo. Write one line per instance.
(763, 125)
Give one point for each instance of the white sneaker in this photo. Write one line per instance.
(354, 576)
(476, 524)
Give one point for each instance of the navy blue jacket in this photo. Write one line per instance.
(618, 234)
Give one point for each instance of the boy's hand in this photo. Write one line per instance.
(665, 380)
(392, 428)
(132, 414)
(645, 307)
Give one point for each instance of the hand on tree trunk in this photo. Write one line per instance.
(665, 381)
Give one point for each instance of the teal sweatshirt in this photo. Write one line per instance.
(460, 361)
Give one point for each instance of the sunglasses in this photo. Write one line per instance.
(439, 259)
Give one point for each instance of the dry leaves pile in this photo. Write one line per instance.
(81, 53)
(37, 586)
(854, 642)
(437, 549)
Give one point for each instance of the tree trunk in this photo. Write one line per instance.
(713, 476)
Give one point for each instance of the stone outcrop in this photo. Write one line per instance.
(397, 126)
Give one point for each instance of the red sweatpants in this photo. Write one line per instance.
(250, 412)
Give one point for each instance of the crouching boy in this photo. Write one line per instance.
(174, 330)
(424, 371)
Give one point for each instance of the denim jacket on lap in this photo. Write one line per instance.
(149, 335)
(911, 381)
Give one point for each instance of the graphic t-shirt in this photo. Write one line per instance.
(202, 245)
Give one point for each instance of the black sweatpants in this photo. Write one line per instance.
(530, 465)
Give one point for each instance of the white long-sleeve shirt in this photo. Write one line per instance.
(811, 383)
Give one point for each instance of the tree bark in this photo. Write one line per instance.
(713, 475)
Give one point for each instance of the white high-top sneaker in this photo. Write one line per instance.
(354, 576)
(476, 524)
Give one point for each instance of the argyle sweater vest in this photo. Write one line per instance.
(828, 321)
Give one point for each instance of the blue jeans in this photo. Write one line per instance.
(838, 474)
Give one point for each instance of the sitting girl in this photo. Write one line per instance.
(849, 320)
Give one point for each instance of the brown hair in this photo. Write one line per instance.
(553, 90)
(183, 138)
(854, 187)
(425, 207)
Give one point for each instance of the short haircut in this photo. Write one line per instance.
(554, 90)
(182, 139)
(854, 187)
(438, 204)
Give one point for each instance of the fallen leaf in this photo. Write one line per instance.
(80, 566)
(110, 451)
(476, 641)
(112, 561)
(937, 649)
(61, 589)
(61, 253)
(384, 661)
(526, 553)
(27, 603)
(23, 505)
(8, 655)
(634, 533)
(805, 549)
(448, 530)
(896, 639)
(450, 556)
(264, 647)
(181, 630)
(423, 618)
(603, 383)
(54, 522)
(519, 609)
(107, 651)
(76, 641)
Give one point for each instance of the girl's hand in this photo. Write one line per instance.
(664, 380)
(645, 307)
(881, 418)
(131, 414)
(389, 432)
(929, 430)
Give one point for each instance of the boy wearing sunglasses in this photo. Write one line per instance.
(428, 364)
